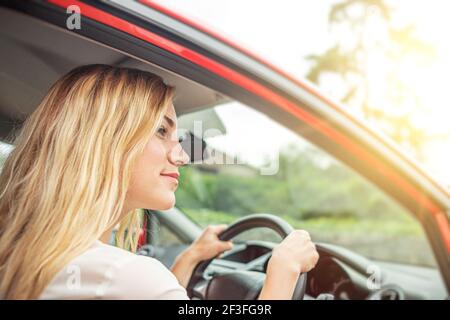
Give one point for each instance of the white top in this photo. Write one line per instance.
(108, 272)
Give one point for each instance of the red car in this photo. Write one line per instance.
(275, 153)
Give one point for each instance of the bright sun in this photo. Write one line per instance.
(428, 81)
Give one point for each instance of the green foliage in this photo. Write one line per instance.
(306, 186)
(311, 191)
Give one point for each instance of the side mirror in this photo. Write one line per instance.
(195, 147)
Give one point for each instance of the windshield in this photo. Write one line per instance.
(386, 61)
(258, 166)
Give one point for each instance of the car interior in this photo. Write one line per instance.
(46, 53)
(35, 54)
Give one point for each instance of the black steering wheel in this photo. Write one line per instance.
(240, 284)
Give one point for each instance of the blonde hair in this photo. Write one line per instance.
(65, 182)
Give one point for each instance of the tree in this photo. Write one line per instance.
(368, 31)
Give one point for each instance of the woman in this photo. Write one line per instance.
(101, 145)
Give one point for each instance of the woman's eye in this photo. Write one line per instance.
(162, 132)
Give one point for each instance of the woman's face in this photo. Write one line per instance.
(154, 178)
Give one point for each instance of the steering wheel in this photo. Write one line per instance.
(242, 284)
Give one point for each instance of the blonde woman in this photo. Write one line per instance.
(101, 145)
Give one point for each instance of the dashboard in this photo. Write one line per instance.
(342, 274)
(329, 277)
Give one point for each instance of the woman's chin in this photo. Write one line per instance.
(166, 203)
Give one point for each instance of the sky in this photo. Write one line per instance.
(286, 31)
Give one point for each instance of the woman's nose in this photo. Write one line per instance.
(178, 156)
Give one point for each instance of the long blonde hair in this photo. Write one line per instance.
(65, 182)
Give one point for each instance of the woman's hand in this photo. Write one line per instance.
(208, 245)
(294, 255)
(205, 247)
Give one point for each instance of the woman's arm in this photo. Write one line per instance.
(279, 283)
(184, 266)
(207, 246)
(295, 254)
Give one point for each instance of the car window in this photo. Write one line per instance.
(259, 166)
(160, 235)
(5, 150)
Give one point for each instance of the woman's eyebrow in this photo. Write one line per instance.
(170, 121)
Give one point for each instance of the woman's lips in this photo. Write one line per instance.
(173, 175)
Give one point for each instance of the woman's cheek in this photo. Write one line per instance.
(155, 153)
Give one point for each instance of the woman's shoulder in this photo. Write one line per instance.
(108, 272)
